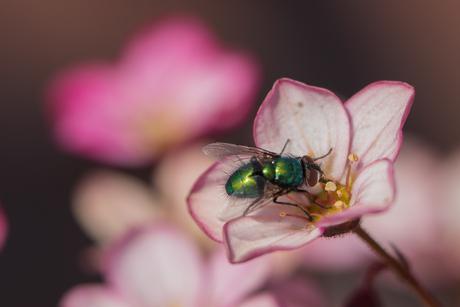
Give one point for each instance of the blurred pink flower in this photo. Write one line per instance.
(3, 228)
(158, 266)
(173, 83)
(368, 126)
(447, 210)
(107, 204)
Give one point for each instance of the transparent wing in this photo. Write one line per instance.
(237, 207)
(230, 153)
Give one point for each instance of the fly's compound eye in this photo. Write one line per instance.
(312, 177)
(308, 160)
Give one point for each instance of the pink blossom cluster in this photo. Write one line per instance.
(175, 84)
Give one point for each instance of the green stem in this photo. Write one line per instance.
(427, 298)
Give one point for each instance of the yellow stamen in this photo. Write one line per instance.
(338, 204)
(339, 192)
(282, 213)
(353, 158)
(311, 155)
(330, 186)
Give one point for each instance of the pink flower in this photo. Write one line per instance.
(173, 83)
(3, 228)
(157, 266)
(368, 127)
(107, 204)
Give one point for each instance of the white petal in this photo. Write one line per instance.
(313, 119)
(377, 114)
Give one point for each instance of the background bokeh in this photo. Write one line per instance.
(339, 45)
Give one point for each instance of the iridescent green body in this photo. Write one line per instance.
(249, 180)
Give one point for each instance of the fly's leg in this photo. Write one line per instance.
(275, 200)
(248, 209)
(311, 198)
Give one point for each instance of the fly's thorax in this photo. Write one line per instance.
(244, 184)
(268, 171)
(288, 172)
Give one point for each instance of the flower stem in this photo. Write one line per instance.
(427, 298)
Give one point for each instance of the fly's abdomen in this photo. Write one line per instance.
(288, 172)
(242, 183)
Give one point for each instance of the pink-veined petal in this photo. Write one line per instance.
(93, 295)
(312, 118)
(262, 300)
(232, 282)
(207, 198)
(107, 204)
(251, 236)
(373, 191)
(377, 115)
(157, 267)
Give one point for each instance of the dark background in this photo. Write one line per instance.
(339, 45)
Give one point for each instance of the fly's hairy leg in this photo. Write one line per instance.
(311, 198)
(275, 200)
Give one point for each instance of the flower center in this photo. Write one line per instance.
(334, 198)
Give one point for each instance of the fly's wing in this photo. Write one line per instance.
(230, 153)
(236, 207)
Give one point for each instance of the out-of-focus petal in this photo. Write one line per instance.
(252, 236)
(157, 267)
(298, 292)
(107, 204)
(3, 228)
(337, 254)
(230, 283)
(173, 179)
(206, 199)
(262, 300)
(174, 83)
(312, 118)
(93, 295)
(377, 114)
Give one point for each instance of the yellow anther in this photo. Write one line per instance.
(282, 213)
(353, 158)
(338, 204)
(339, 192)
(311, 155)
(330, 186)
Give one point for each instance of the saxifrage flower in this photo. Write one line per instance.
(365, 134)
(157, 266)
(173, 83)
